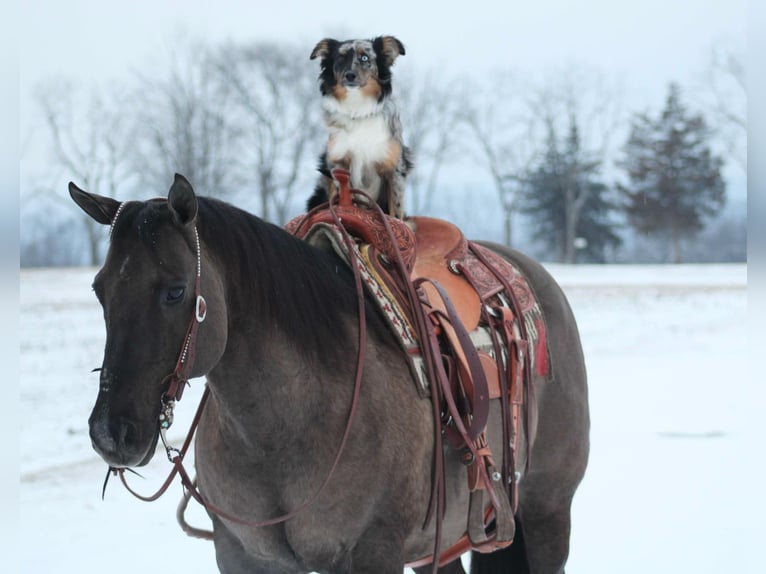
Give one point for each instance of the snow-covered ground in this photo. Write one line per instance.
(674, 482)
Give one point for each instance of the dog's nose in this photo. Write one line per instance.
(350, 76)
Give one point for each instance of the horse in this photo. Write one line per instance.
(277, 348)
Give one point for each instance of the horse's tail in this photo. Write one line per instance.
(512, 558)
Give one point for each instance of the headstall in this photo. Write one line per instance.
(179, 379)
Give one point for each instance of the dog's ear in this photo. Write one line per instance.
(389, 47)
(324, 48)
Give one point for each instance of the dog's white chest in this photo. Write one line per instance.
(364, 140)
(363, 143)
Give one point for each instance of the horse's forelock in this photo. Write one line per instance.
(147, 221)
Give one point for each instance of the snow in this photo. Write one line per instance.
(672, 484)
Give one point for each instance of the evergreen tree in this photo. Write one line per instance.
(675, 180)
(568, 203)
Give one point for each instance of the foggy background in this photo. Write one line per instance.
(118, 98)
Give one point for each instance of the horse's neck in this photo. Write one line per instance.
(265, 389)
(281, 364)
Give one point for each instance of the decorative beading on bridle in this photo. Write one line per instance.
(179, 378)
(114, 219)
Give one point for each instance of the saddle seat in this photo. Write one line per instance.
(439, 247)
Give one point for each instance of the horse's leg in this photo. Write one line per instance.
(230, 555)
(232, 558)
(546, 531)
(545, 494)
(558, 463)
(378, 551)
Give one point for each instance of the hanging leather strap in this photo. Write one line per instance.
(469, 364)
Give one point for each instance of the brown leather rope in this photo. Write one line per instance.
(180, 454)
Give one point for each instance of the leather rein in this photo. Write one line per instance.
(178, 380)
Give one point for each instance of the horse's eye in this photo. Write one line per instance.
(174, 294)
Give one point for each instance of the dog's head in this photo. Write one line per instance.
(363, 65)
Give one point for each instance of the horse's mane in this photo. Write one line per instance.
(303, 289)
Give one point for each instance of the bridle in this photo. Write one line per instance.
(178, 380)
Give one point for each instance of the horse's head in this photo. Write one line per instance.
(147, 289)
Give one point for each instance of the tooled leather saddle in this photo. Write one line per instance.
(472, 331)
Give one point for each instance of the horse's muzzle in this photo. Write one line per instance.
(119, 442)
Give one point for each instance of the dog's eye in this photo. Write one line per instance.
(364, 58)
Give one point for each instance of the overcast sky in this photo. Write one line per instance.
(649, 42)
(644, 45)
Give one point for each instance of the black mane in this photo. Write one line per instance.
(303, 289)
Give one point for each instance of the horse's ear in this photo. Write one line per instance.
(100, 208)
(323, 48)
(182, 201)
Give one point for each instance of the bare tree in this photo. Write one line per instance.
(180, 124)
(584, 96)
(275, 104)
(88, 138)
(723, 95)
(46, 226)
(502, 130)
(430, 107)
